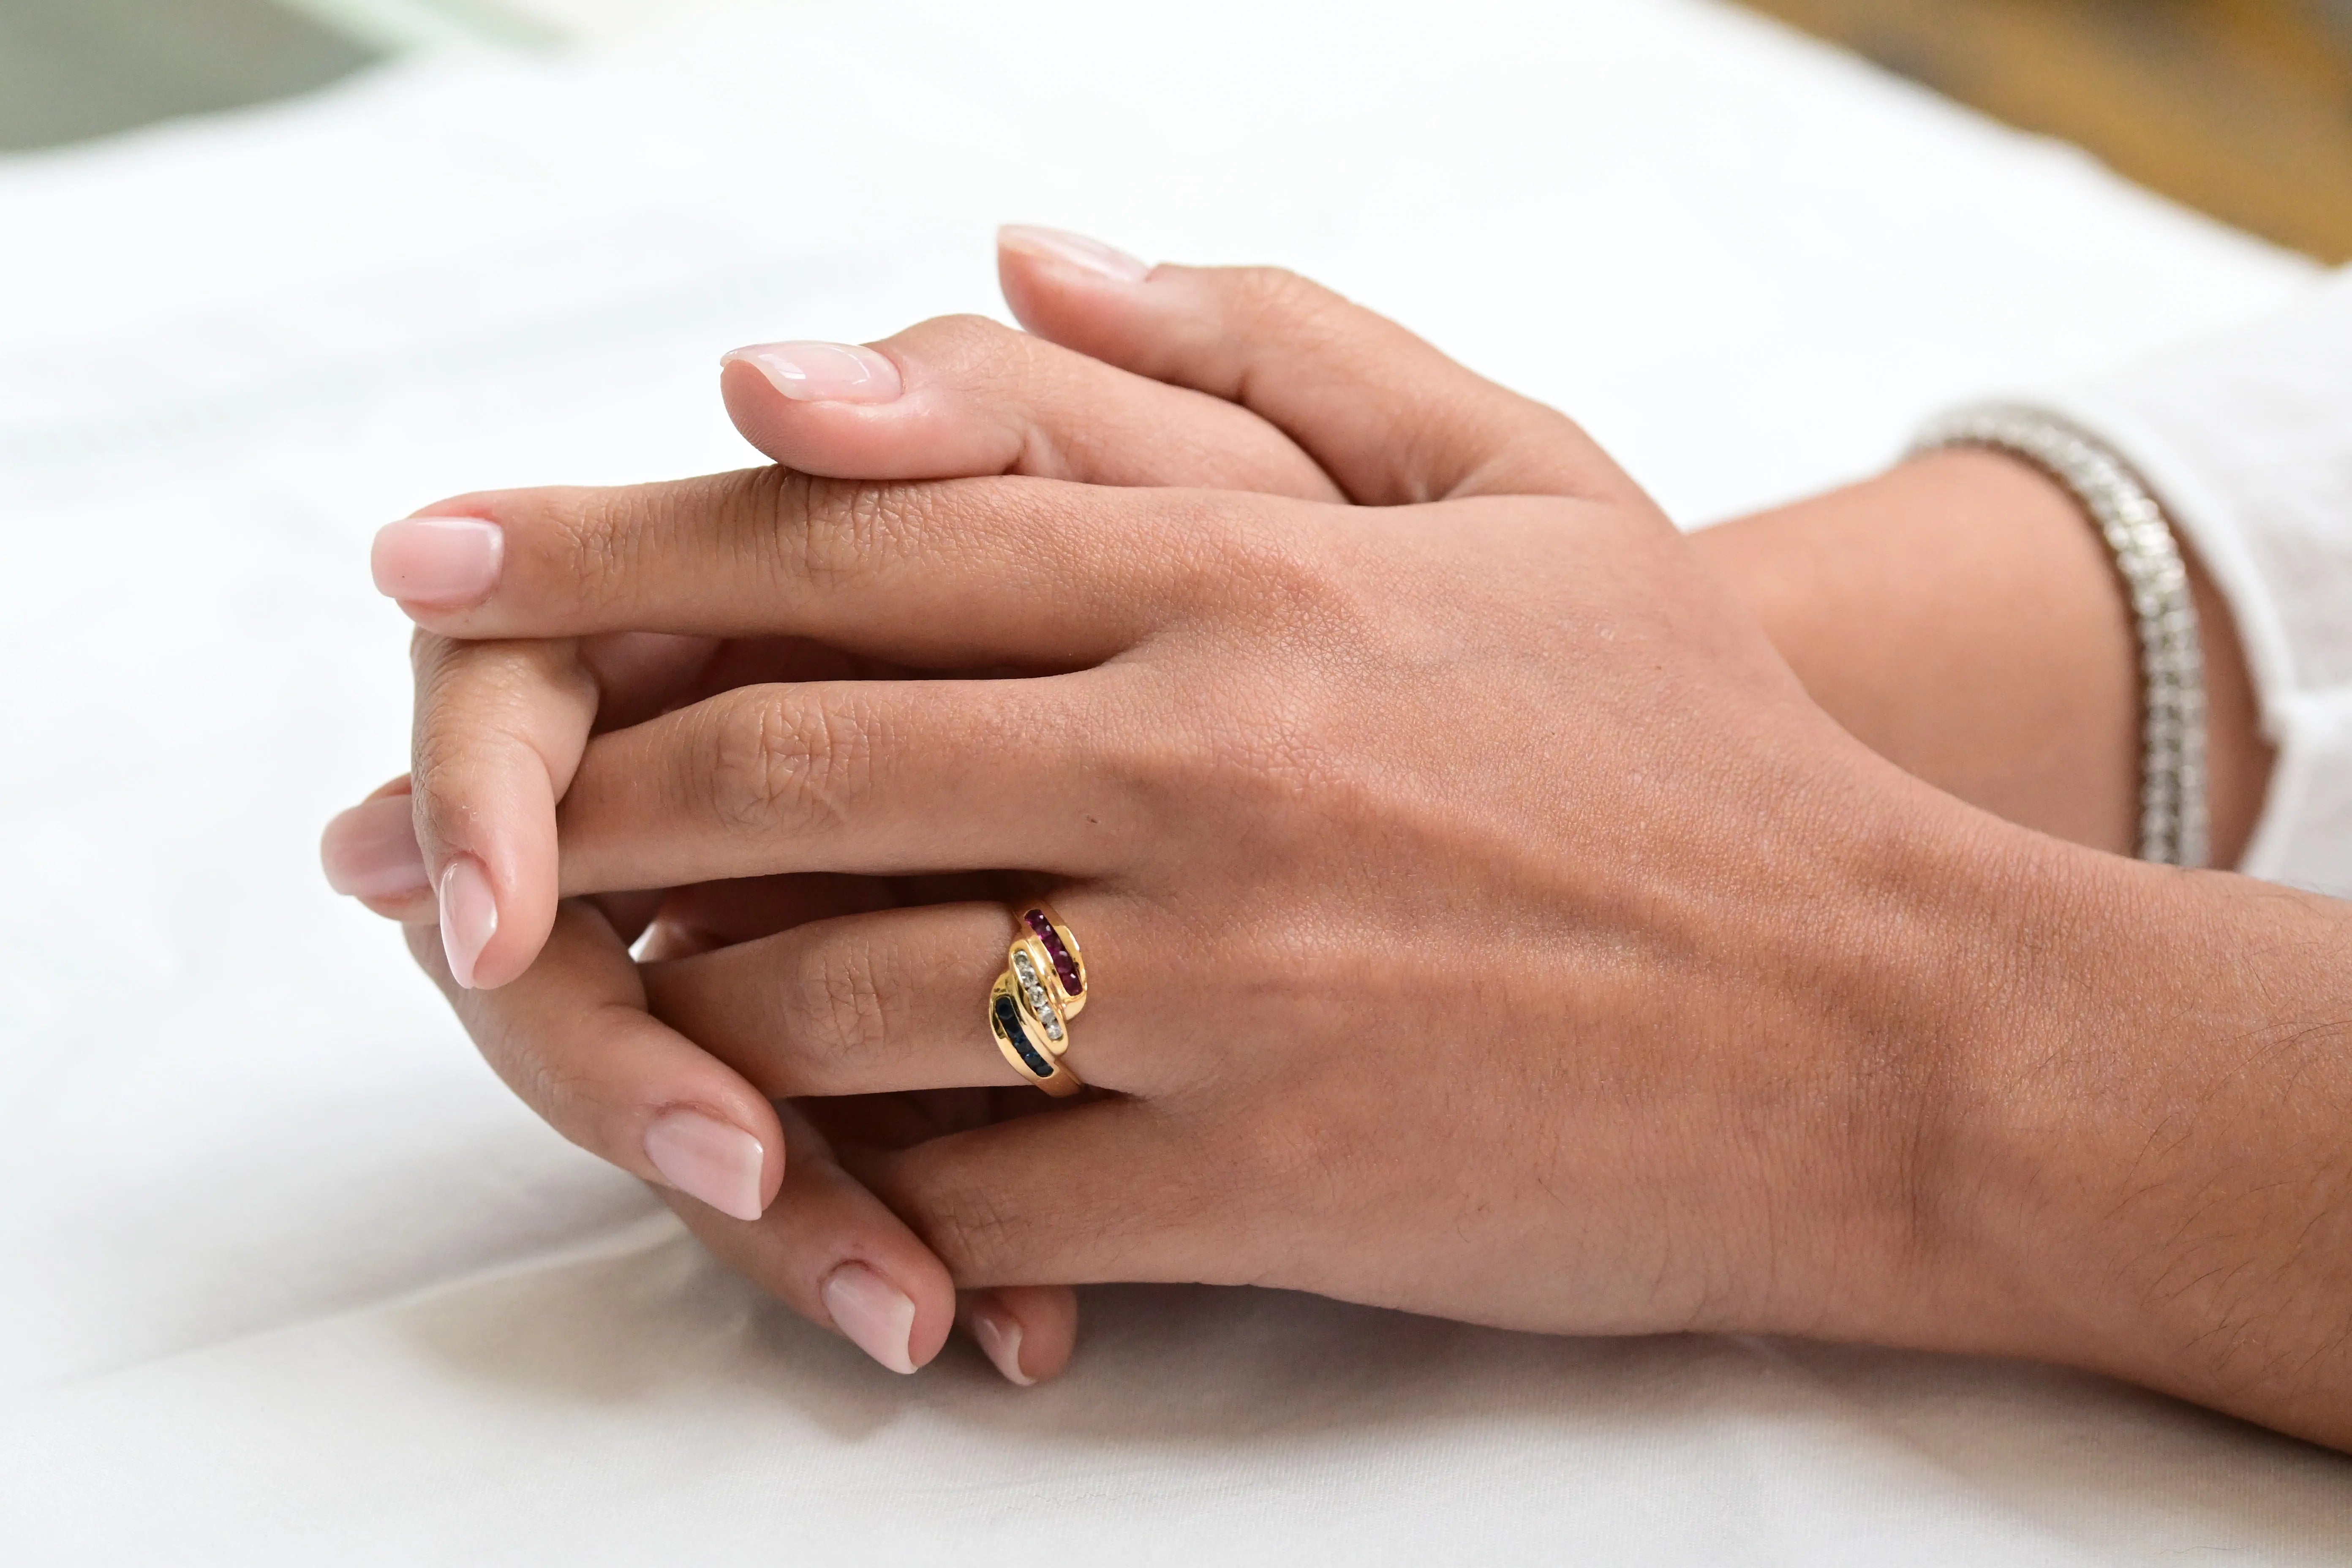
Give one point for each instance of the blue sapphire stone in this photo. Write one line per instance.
(1008, 1018)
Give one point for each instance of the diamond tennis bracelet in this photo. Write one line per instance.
(2172, 811)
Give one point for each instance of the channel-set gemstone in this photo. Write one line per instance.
(1065, 965)
(1008, 1020)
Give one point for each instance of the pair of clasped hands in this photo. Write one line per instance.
(1481, 918)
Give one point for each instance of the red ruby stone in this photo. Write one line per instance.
(1063, 965)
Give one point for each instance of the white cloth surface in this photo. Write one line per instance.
(287, 1277)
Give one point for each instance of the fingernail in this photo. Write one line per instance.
(999, 1333)
(437, 560)
(1076, 250)
(821, 372)
(709, 1160)
(370, 851)
(469, 916)
(878, 1317)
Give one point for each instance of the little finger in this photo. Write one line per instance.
(831, 1251)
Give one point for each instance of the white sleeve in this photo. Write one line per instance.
(2246, 437)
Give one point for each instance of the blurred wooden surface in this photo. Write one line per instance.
(2243, 108)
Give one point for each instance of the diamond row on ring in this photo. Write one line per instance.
(1032, 991)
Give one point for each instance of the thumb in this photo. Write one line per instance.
(1383, 412)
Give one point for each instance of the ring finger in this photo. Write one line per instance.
(893, 1000)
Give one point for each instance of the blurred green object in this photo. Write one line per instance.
(76, 68)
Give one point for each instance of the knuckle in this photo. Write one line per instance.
(838, 1002)
(549, 1081)
(980, 1234)
(780, 759)
(606, 545)
(1266, 294)
(451, 737)
(963, 341)
(581, 1107)
(1277, 576)
(842, 531)
(1280, 753)
(481, 713)
(990, 1228)
(600, 539)
(1289, 581)
(546, 1084)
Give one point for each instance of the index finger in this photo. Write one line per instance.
(938, 573)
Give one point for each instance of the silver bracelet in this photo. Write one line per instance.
(2172, 810)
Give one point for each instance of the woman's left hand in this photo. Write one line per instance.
(1481, 920)
(951, 397)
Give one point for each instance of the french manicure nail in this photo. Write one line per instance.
(999, 1333)
(878, 1317)
(370, 851)
(708, 1160)
(821, 372)
(1074, 250)
(437, 560)
(469, 916)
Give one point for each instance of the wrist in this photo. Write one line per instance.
(1969, 1131)
(2120, 1144)
(1894, 966)
(1959, 615)
(1962, 963)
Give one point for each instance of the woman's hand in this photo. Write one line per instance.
(1674, 1008)
(966, 396)
(1482, 920)
(951, 397)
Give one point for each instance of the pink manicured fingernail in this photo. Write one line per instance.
(469, 916)
(1075, 250)
(999, 1333)
(370, 851)
(821, 372)
(437, 560)
(708, 1159)
(878, 1317)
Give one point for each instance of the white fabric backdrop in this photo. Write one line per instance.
(284, 1276)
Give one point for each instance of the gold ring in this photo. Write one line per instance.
(1044, 986)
